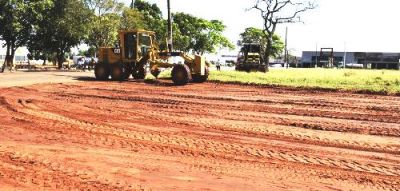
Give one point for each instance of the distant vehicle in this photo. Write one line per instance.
(75, 59)
(250, 58)
(82, 63)
(230, 63)
(354, 65)
(276, 65)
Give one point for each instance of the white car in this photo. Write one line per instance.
(76, 60)
(276, 65)
(354, 65)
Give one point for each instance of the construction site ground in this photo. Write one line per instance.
(65, 131)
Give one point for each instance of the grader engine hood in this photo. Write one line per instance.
(109, 55)
(199, 65)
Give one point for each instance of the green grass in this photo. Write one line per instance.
(379, 81)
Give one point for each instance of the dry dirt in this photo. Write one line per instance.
(24, 78)
(137, 136)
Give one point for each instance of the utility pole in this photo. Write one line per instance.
(170, 47)
(286, 51)
(344, 58)
(316, 55)
(398, 65)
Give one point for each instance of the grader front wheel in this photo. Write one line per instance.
(139, 73)
(181, 74)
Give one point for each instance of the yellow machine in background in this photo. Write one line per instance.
(138, 49)
(250, 58)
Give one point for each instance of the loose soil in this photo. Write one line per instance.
(137, 136)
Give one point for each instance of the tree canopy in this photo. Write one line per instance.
(190, 33)
(50, 28)
(132, 19)
(63, 26)
(16, 19)
(150, 11)
(199, 35)
(152, 20)
(105, 20)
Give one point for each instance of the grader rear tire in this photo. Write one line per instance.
(181, 74)
(101, 71)
(119, 72)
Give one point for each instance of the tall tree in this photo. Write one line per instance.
(190, 33)
(255, 35)
(105, 22)
(152, 19)
(215, 38)
(102, 7)
(150, 11)
(104, 30)
(132, 19)
(191, 30)
(17, 18)
(276, 12)
(200, 35)
(64, 26)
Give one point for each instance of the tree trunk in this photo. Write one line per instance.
(60, 59)
(268, 51)
(8, 60)
(13, 49)
(4, 66)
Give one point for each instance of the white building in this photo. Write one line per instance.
(373, 60)
(20, 54)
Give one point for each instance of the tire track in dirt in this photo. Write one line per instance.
(245, 129)
(258, 128)
(220, 147)
(387, 124)
(34, 171)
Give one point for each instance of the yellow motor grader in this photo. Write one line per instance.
(138, 49)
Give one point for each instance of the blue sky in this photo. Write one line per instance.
(358, 25)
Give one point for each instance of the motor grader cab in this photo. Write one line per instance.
(138, 49)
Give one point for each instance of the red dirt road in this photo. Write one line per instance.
(136, 136)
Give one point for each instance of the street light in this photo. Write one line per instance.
(286, 50)
(344, 58)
